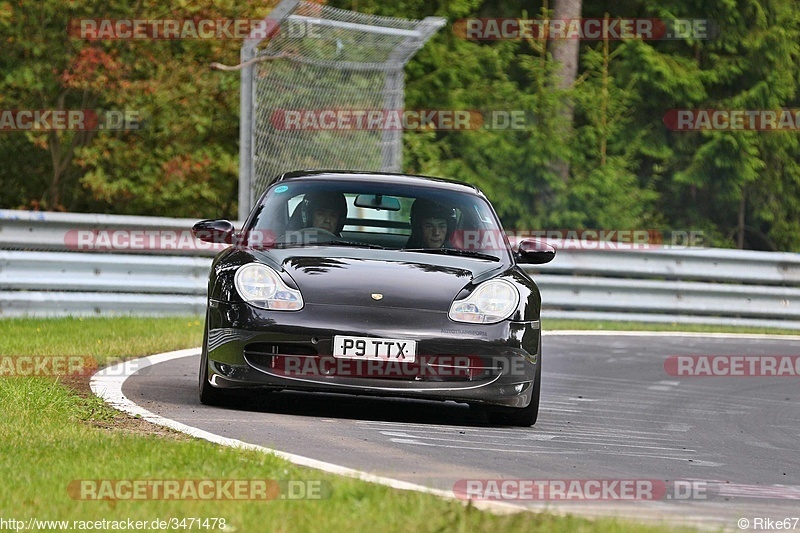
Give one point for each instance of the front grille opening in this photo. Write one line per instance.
(264, 354)
(303, 360)
(325, 366)
(279, 348)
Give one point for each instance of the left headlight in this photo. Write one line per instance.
(491, 302)
(260, 286)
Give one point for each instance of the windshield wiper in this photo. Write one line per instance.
(453, 251)
(352, 244)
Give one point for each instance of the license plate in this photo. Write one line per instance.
(403, 350)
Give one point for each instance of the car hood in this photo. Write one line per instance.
(381, 278)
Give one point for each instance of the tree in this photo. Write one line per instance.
(606, 160)
(183, 159)
(565, 55)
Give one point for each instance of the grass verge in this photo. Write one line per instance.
(53, 434)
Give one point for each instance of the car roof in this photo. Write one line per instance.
(382, 177)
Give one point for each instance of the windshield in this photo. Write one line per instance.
(377, 215)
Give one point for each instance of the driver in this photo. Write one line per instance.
(432, 225)
(326, 211)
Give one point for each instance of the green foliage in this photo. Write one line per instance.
(741, 187)
(605, 188)
(183, 161)
(626, 168)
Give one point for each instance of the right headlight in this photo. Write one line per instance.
(491, 302)
(260, 286)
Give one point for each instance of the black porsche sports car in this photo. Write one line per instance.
(380, 284)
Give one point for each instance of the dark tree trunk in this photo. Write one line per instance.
(565, 54)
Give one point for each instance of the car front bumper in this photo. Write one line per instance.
(493, 364)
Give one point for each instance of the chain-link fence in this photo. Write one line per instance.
(321, 58)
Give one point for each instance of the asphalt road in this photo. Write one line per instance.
(610, 411)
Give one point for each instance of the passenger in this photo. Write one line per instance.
(432, 225)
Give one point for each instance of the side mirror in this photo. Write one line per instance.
(532, 252)
(214, 231)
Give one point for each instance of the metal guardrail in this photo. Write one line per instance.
(40, 276)
(47, 231)
(81, 272)
(53, 264)
(697, 264)
(699, 285)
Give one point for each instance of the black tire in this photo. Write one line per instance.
(527, 416)
(208, 395)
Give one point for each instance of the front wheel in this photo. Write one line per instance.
(512, 416)
(208, 394)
